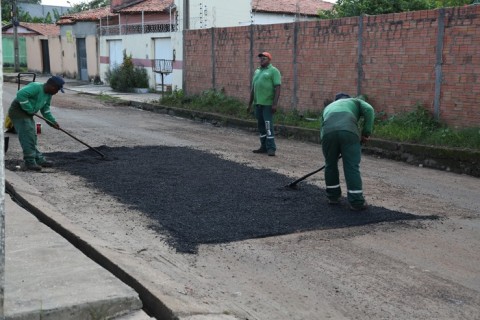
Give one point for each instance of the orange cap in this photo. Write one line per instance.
(265, 54)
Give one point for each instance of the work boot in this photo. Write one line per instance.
(260, 150)
(361, 207)
(271, 152)
(45, 164)
(33, 166)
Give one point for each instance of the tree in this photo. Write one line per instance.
(352, 8)
(88, 5)
(24, 16)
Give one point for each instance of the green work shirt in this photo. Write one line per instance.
(31, 99)
(344, 114)
(264, 82)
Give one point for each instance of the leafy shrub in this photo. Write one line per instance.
(411, 126)
(126, 77)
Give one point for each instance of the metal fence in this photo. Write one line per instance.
(138, 28)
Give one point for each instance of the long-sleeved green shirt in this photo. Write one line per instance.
(31, 99)
(344, 114)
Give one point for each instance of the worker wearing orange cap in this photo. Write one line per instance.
(264, 98)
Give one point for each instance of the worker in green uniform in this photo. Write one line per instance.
(264, 98)
(30, 99)
(341, 135)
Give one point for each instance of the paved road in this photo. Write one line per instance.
(411, 269)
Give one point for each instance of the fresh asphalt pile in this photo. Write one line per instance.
(198, 198)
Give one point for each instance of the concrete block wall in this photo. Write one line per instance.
(393, 59)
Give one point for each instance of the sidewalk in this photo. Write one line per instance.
(46, 277)
(88, 88)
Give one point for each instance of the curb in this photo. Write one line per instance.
(96, 251)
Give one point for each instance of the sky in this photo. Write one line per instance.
(61, 3)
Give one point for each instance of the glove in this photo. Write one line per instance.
(53, 124)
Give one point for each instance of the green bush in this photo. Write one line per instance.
(419, 126)
(126, 77)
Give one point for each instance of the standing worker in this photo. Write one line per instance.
(30, 99)
(341, 135)
(264, 98)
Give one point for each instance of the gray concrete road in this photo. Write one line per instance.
(413, 270)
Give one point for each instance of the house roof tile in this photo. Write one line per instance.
(305, 7)
(148, 6)
(45, 29)
(88, 15)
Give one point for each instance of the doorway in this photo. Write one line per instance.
(45, 57)
(82, 59)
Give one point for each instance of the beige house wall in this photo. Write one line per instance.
(34, 59)
(35, 55)
(92, 57)
(55, 51)
(69, 57)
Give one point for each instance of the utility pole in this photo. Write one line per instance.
(15, 35)
(2, 202)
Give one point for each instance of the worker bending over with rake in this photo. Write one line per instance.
(341, 136)
(30, 99)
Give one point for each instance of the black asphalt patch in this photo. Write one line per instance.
(199, 198)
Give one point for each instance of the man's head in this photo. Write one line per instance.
(265, 58)
(341, 95)
(54, 84)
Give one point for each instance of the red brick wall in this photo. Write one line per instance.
(398, 61)
(198, 44)
(461, 67)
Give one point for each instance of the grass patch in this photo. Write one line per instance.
(105, 98)
(217, 102)
(12, 69)
(417, 126)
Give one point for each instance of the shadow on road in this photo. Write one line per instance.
(198, 198)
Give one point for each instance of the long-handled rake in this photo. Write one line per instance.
(293, 185)
(92, 148)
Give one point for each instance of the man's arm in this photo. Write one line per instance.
(369, 117)
(276, 97)
(250, 102)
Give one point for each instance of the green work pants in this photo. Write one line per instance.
(265, 126)
(27, 135)
(347, 144)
